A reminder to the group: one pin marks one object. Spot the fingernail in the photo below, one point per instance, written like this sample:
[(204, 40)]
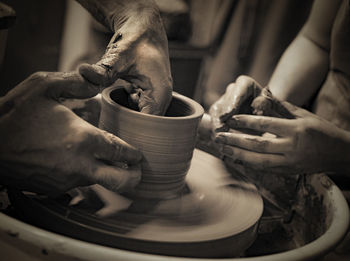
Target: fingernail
[(227, 151), (220, 138)]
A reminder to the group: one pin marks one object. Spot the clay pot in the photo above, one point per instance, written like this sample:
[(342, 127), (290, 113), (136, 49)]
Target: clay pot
[(167, 142)]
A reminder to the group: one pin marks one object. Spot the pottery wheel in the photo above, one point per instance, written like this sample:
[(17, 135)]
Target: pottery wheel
[(216, 216)]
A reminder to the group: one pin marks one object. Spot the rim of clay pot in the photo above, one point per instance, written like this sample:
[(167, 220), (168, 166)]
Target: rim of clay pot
[(197, 109)]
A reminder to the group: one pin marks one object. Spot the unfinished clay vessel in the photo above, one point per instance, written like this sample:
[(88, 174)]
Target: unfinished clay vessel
[(167, 142)]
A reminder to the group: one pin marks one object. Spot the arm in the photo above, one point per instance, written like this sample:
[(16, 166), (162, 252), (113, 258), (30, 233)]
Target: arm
[(304, 65), (305, 144), (299, 73), (137, 52), (114, 13), (46, 148)]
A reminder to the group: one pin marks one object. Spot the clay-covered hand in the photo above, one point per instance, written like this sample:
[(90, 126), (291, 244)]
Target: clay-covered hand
[(237, 99), (88, 109), (305, 144), (46, 148), (137, 52)]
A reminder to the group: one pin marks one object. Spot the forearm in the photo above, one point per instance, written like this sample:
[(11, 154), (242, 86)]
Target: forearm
[(113, 13), (300, 72), (304, 65)]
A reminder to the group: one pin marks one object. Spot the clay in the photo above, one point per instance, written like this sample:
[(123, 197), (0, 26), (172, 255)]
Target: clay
[(267, 105), (216, 216), (167, 142), (170, 212)]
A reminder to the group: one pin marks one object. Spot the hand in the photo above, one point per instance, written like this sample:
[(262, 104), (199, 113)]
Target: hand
[(88, 109), (237, 99), (306, 144), (46, 148), (137, 52)]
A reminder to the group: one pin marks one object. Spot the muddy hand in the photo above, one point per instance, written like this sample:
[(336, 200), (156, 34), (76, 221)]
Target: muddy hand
[(137, 53), (46, 148), (304, 144), (237, 99), (266, 104)]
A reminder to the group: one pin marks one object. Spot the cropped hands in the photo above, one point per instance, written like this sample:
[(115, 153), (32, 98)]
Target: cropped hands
[(46, 148), (257, 130), (137, 52)]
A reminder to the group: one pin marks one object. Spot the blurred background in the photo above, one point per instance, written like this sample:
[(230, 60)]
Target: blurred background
[(211, 42)]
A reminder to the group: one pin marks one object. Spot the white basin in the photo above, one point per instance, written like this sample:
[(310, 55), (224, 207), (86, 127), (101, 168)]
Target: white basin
[(21, 241)]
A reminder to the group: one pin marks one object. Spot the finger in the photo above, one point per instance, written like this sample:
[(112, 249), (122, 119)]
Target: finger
[(215, 113), (149, 104), (113, 149), (143, 97), (52, 185), (96, 74), (117, 179), (87, 109), (113, 202), (69, 85), (111, 66), (151, 79), (225, 107), (153, 94), (238, 94), (253, 142), (252, 158), (295, 110), (228, 104), (280, 127), (157, 103), (266, 104)]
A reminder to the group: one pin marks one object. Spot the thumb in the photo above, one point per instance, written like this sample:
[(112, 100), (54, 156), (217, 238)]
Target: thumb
[(266, 104), (115, 61), (117, 179), (97, 74), (156, 100), (112, 149), (69, 85)]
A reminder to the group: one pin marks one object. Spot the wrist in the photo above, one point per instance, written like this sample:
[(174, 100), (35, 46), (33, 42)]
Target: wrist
[(114, 13), (136, 17)]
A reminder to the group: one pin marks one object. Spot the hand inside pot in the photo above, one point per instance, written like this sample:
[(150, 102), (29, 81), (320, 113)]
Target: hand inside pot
[(46, 148), (137, 52)]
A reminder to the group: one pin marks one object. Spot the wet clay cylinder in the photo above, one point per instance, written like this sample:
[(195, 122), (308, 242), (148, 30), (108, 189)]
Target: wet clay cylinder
[(167, 142)]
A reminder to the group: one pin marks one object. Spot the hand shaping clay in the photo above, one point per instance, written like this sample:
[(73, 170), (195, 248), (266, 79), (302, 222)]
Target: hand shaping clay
[(167, 142)]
